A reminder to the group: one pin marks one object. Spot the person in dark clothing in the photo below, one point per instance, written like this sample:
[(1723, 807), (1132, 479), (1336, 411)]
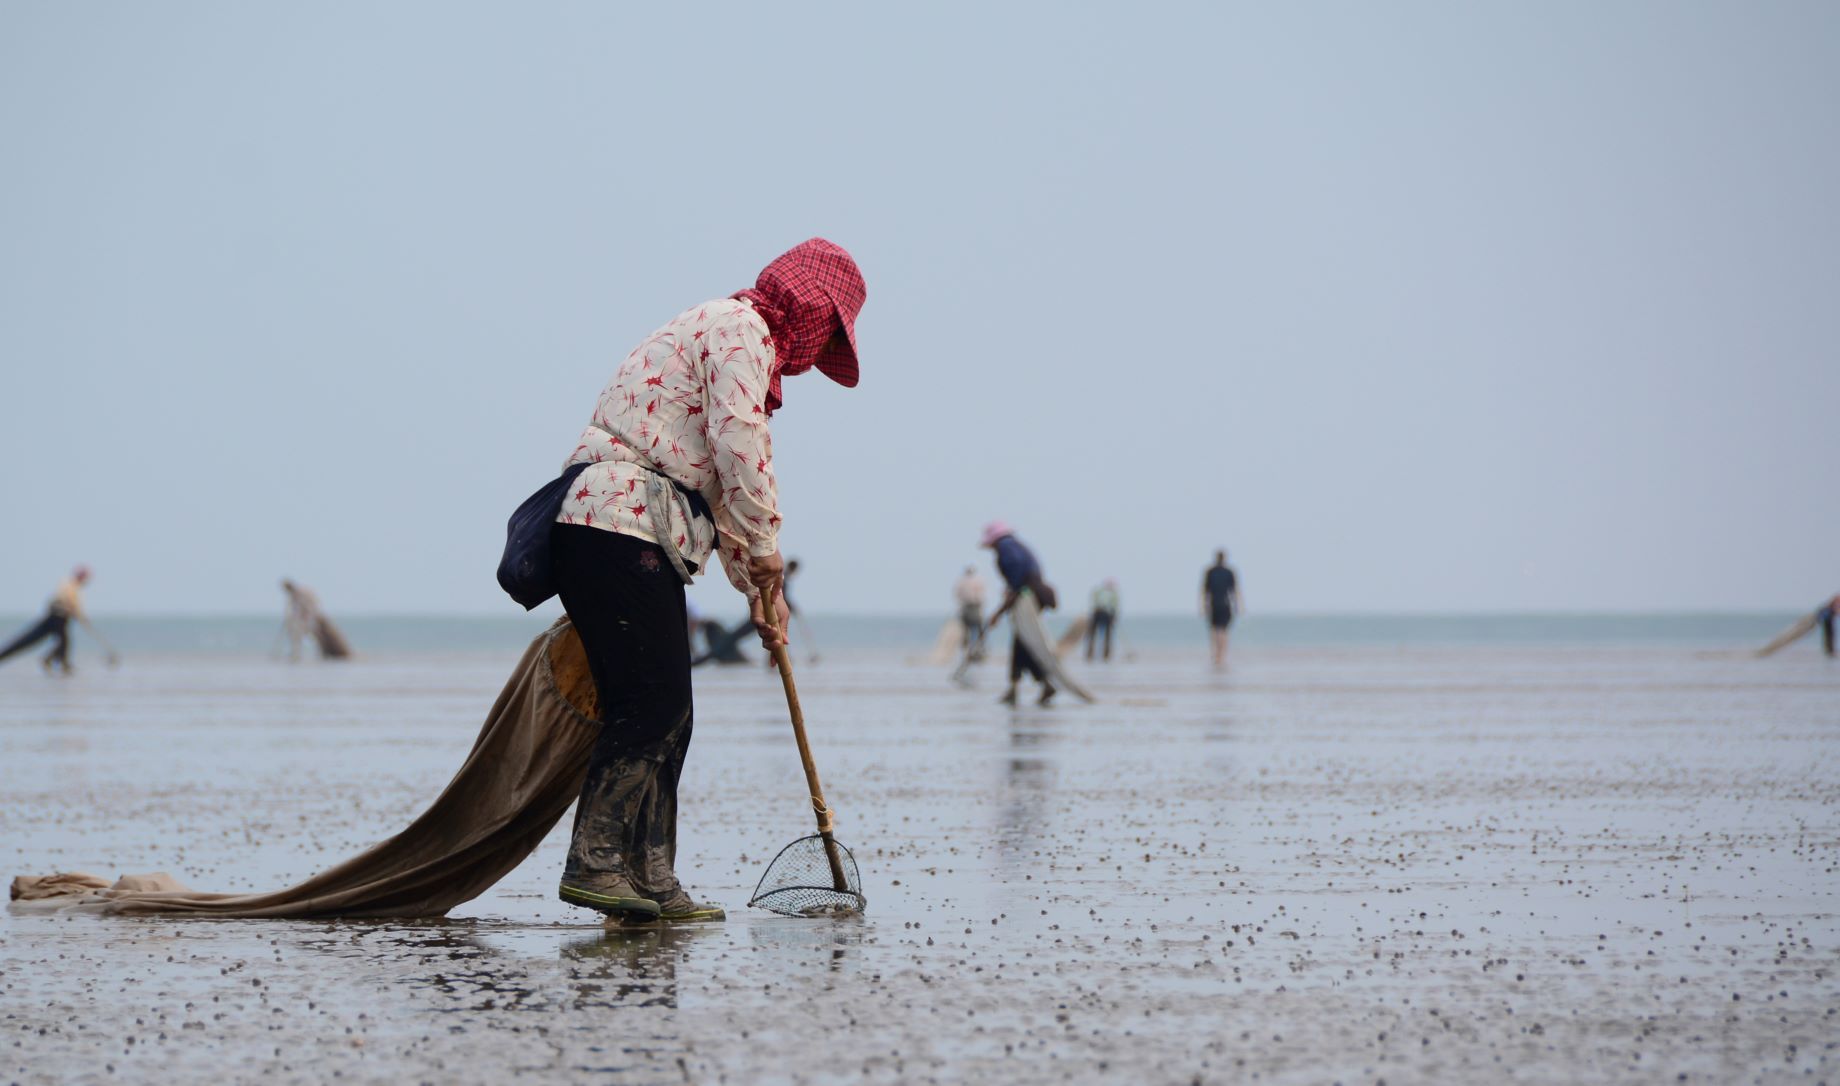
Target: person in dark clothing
[(66, 605), (722, 646), (1825, 616), (53, 624), (1104, 617), (1219, 602), (1021, 573)]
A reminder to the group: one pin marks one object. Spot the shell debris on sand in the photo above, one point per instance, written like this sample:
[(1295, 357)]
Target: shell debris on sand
[(1469, 865), (830, 912)]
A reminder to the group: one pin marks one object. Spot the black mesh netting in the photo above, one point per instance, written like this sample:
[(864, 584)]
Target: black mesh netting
[(801, 882)]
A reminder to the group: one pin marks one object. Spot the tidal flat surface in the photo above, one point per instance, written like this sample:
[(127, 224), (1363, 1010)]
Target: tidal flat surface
[(1418, 864)]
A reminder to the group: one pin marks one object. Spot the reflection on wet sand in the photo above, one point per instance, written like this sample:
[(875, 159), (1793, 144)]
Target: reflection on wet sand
[(1411, 866), (629, 966), (1028, 786)]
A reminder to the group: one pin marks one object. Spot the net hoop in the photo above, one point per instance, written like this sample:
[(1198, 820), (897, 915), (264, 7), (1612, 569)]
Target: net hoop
[(796, 895)]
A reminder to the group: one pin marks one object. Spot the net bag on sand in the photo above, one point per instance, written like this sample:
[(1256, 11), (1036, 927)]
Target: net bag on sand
[(813, 876)]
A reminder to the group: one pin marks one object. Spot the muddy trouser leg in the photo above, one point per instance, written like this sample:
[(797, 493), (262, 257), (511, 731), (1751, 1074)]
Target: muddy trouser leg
[(1827, 632), (37, 632), (1110, 620), (628, 606), (654, 861), (604, 819)]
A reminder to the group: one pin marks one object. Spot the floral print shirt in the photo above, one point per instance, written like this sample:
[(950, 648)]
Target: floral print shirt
[(689, 402)]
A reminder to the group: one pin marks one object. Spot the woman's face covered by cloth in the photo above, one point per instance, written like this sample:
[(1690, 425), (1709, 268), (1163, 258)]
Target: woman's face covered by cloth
[(810, 296)]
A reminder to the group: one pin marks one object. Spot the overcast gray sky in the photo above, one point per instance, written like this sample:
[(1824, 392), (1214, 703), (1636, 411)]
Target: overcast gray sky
[(1427, 307)]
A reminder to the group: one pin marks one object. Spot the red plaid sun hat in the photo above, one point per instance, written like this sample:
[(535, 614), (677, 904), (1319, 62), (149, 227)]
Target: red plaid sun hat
[(805, 295)]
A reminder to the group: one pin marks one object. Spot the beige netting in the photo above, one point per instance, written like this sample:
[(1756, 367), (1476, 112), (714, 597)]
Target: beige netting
[(524, 770)]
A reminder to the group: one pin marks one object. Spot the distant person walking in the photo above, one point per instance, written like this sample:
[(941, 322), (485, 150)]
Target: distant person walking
[(1104, 617), (1021, 573), (66, 604), (1219, 602), (1825, 617), (968, 593)]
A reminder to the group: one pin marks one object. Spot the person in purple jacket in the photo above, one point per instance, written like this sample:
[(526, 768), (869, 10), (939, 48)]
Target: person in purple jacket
[(1021, 573)]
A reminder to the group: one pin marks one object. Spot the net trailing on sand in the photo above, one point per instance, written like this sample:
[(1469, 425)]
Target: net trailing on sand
[(800, 881)]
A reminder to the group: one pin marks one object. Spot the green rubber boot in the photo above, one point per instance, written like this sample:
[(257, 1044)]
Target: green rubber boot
[(681, 908), (613, 895)]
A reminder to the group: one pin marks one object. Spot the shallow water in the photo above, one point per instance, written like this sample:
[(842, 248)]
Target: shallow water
[(1432, 863)]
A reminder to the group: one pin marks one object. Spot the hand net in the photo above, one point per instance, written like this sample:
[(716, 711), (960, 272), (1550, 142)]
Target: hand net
[(801, 882)]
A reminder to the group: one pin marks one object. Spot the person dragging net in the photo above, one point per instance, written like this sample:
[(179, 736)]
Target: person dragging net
[(679, 465), (1021, 573), (65, 607)]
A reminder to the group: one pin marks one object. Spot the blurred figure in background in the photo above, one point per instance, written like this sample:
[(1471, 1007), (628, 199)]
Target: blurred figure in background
[(66, 604), (785, 591), (1219, 601), (1822, 617), (785, 586), (305, 620), (968, 593), (1104, 617), (723, 646), (1021, 573), (719, 643)]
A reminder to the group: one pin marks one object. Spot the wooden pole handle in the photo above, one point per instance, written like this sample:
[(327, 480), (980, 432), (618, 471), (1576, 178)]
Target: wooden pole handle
[(825, 822)]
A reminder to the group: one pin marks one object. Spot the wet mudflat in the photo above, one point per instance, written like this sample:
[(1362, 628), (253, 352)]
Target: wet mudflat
[(1410, 865)]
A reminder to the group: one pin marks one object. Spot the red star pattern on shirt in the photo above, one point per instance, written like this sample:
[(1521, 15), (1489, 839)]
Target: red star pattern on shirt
[(696, 415)]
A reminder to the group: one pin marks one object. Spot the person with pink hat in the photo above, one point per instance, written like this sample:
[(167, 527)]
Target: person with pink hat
[(673, 471), (1021, 573)]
